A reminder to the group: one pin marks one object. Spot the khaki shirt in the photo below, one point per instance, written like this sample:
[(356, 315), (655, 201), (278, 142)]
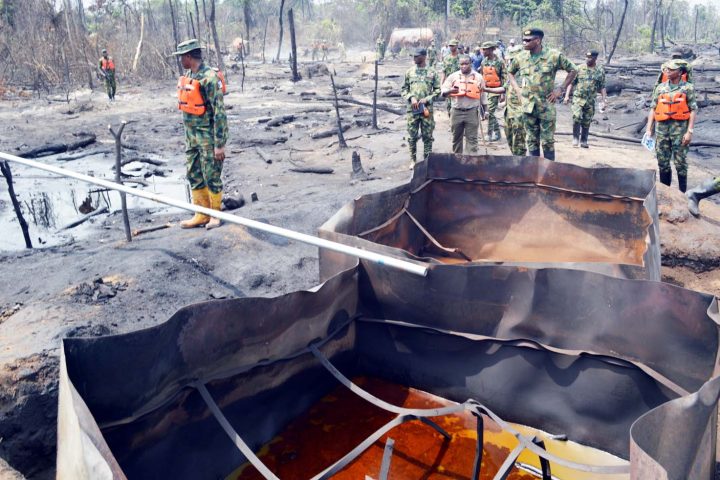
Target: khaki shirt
[(462, 102)]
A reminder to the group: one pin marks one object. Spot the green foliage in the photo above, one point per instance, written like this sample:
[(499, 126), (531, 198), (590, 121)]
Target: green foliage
[(464, 8)]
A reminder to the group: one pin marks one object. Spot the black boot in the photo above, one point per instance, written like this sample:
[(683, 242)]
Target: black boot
[(534, 153), (549, 155), (584, 136), (682, 182), (704, 190), (576, 135), (666, 177)]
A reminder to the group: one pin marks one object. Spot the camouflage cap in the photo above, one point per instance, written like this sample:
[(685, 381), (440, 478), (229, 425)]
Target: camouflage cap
[(673, 65), (420, 52), (488, 45), (187, 46), (453, 42)]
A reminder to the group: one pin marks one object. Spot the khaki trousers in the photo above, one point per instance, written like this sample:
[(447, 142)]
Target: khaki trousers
[(464, 123)]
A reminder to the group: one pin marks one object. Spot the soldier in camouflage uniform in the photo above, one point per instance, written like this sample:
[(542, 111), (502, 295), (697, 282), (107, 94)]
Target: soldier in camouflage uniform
[(420, 88), (380, 47), (674, 108), (206, 132), (537, 67), (451, 64), (590, 80), (493, 71), (107, 69), (705, 190), (685, 68), (432, 54)]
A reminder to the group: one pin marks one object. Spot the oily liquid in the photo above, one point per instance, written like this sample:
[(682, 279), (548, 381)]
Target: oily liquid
[(341, 420)]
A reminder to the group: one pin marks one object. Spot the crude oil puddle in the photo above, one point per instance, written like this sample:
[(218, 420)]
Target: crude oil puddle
[(341, 420), (49, 202)]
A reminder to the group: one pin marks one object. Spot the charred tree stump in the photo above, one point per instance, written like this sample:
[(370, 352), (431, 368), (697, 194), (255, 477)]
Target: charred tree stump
[(5, 169), (374, 115), (118, 177), (341, 138), (293, 46)]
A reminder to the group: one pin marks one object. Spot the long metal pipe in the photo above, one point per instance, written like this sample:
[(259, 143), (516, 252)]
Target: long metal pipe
[(227, 217)]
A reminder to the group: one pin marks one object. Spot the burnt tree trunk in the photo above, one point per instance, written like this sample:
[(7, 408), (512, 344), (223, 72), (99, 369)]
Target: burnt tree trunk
[(293, 46), (118, 177), (282, 7), (5, 169), (341, 138), (374, 115), (267, 20), (619, 31), (247, 18), (197, 19), (175, 34), (216, 40)]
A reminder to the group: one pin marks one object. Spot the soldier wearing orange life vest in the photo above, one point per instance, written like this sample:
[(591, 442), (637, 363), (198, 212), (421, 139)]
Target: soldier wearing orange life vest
[(686, 71), (673, 109), (200, 98), (464, 88), (493, 71), (107, 69)]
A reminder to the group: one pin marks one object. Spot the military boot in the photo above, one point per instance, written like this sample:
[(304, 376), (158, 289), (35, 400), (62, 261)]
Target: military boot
[(549, 155), (201, 198), (576, 135), (584, 137), (704, 190), (215, 204), (666, 177), (682, 182), (534, 153)]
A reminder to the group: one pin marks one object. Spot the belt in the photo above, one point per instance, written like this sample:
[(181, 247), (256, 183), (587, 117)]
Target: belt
[(465, 109)]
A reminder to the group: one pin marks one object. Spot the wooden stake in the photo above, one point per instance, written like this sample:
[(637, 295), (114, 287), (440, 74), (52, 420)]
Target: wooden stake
[(374, 115), (118, 176), (5, 169), (341, 139)]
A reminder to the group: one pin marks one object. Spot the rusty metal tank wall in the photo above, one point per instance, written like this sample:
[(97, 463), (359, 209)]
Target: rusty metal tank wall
[(512, 210), (565, 351)]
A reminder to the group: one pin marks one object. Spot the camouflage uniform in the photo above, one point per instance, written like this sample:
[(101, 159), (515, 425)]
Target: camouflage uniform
[(668, 146), (421, 83), (109, 78), (538, 81), (686, 67), (204, 133), (493, 99), (450, 65), (380, 46), (589, 81), (514, 124), (432, 55)]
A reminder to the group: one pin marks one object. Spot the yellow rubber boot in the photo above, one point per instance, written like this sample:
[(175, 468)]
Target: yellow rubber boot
[(201, 198), (215, 204)]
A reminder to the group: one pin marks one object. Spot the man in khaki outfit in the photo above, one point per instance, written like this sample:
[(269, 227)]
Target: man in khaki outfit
[(464, 88)]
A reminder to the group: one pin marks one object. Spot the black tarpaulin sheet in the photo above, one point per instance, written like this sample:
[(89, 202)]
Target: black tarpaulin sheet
[(511, 210), (565, 351)]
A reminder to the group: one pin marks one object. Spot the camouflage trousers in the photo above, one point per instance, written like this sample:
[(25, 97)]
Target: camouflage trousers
[(539, 129), (515, 134), (717, 183), (464, 123), (202, 168), (426, 126), (669, 148), (492, 106), (110, 85), (583, 111)]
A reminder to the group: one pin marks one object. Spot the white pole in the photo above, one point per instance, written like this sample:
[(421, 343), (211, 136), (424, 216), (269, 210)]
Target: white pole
[(283, 232)]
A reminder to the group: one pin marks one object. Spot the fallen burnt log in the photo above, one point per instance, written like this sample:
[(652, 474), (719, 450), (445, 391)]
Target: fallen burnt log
[(346, 99), (57, 148), (328, 133)]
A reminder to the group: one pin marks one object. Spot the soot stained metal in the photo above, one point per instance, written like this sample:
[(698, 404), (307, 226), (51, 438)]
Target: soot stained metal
[(622, 365)]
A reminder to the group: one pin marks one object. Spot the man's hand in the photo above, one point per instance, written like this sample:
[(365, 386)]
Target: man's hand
[(686, 138), (220, 154), (566, 100), (414, 103), (554, 95)]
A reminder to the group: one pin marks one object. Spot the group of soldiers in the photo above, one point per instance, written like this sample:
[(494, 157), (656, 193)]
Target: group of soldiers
[(526, 82)]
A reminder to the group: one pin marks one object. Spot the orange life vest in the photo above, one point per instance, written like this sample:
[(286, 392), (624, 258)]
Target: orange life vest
[(221, 76), (672, 106), (492, 79), (469, 87), (664, 78), (190, 98), (107, 63)]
